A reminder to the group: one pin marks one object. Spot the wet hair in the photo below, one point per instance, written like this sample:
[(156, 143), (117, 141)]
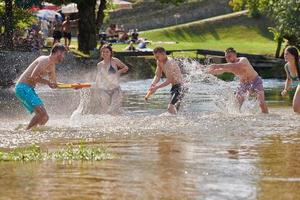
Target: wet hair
[(294, 51), (159, 50), (230, 50), (58, 47), (107, 46)]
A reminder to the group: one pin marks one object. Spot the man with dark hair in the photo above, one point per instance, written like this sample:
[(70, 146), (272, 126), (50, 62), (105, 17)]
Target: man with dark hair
[(66, 29), (250, 81), (174, 77), (34, 74), (159, 50)]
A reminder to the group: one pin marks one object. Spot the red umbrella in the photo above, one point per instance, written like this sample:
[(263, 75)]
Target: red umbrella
[(34, 9), (46, 6), (50, 6)]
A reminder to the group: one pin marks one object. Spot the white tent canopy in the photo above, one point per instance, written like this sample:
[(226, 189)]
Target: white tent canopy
[(122, 4), (70, 8)]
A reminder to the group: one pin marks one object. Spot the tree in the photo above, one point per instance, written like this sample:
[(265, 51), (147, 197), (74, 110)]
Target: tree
[(8, 24), (13, 16), (88, 24), (284, 13)]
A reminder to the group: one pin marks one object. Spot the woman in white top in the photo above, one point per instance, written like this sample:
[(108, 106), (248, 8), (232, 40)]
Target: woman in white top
[(108, 80)]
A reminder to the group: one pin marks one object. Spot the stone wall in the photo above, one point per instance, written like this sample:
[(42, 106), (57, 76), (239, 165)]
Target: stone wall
[(149, 15)]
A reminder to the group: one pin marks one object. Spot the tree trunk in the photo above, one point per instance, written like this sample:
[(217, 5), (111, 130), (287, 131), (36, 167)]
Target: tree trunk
[(8, 23), (100, 15), (279, 43), (87, 26)]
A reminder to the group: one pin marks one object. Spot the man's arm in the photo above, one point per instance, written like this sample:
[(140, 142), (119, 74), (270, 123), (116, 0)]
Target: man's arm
[(227, 67), (164, 84), (158, 73), (52, 77), (35, 76)]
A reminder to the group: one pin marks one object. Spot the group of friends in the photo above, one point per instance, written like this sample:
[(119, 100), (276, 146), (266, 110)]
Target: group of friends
[(110, 68)]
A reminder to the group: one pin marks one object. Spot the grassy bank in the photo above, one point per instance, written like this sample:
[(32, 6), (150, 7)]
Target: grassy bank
[(238, 30), (247, 35)]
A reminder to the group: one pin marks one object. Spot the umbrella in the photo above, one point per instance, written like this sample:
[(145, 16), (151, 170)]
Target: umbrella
[(70, 8), (47, 14), (50, 6), (44, 5)]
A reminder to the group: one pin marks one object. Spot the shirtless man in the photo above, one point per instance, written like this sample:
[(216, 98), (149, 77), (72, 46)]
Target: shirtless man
[(42, 66), (173, 76), (250, 81), (66, 29), (57, 30)]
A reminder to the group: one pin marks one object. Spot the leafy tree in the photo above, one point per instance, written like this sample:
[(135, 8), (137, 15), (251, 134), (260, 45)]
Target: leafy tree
[(284, 13), (12, 16), (89, 21), (27, 3), (8, 24)]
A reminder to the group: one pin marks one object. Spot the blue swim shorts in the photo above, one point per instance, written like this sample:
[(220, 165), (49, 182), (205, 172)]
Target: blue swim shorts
[(26, 94)]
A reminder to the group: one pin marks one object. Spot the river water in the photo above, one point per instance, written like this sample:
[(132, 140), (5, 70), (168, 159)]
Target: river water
[(210, 150)]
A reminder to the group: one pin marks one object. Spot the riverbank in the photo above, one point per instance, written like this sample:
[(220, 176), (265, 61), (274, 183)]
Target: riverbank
[(141, 67)]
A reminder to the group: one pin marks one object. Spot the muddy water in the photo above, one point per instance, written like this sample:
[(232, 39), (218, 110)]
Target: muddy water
[(208, 151)]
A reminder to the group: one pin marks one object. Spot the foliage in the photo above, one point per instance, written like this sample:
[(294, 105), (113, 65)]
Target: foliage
[(71, 152), (285, 14), (21, 17), (27, 3), (31, 153), (81, 152)]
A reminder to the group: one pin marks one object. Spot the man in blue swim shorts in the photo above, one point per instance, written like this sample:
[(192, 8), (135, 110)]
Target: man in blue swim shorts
[(250, 81), (35, 73)]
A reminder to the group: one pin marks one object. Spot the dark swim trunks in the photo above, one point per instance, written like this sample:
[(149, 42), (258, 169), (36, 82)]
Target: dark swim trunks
[(67, 35), (177, 92), (255, 85), (57, 35)]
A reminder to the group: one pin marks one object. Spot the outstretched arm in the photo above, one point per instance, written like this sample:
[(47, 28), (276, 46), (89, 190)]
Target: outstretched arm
[(228, 67), (158, 73), (35, 76)]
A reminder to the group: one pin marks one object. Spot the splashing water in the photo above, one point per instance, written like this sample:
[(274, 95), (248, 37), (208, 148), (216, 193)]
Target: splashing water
[(221, 93), (201, 87), (209, 106)]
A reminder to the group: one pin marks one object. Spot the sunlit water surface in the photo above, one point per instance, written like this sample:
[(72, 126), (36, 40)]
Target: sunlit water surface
[(210, 150)]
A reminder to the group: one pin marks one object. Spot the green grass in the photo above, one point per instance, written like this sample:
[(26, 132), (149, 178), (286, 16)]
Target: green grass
[(247, 35), (70, 152), (237, 30)]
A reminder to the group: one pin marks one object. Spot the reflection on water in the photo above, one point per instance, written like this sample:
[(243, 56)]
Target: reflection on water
[(280, 167), (209, 151)]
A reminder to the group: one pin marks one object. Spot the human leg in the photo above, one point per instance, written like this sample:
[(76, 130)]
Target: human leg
[(40, 118), (262, 103), (296, 100)]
